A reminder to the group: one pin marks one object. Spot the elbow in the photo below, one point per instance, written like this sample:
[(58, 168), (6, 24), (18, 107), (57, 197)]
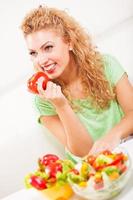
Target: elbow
[(80, 152)]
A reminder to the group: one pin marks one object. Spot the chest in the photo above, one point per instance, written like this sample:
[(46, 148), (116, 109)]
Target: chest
[(76, 90)]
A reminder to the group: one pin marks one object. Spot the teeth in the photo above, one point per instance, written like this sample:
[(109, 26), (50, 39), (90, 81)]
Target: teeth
[(50, 67)]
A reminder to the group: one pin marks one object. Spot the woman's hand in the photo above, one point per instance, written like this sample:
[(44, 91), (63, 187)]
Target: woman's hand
[(108, 142), (52, 93)]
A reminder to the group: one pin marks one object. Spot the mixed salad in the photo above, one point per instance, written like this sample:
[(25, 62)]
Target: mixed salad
[(93, 174), (102, 176), (99, 171), (51, 170)]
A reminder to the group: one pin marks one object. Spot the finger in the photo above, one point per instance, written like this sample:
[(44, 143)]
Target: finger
[(40, 91), (59, 89), (49, 85), (39, 85), (95, 150), (51, 89)]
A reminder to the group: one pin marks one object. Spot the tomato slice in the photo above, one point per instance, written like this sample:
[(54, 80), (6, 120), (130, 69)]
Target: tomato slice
[(75, 171), (38, 182), (90, 159), (106, 152), (122, 167), (98, 184), (48, 159), (33, 82), (53, 168), (119, 158)]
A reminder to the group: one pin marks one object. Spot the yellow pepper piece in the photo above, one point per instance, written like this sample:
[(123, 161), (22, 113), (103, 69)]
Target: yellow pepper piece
[(83, 184), (98, 175)]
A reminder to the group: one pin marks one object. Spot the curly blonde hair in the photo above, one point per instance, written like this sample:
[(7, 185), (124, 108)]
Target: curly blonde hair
[(91, 66)]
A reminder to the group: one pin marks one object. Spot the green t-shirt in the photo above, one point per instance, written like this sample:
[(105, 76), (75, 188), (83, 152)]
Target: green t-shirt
[(97, 123)]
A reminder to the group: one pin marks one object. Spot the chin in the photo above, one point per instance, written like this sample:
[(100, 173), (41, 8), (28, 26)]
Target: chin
[(54, 76)]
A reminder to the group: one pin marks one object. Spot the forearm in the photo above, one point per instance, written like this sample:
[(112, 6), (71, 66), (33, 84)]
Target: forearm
[(125, 127), (77, 135)]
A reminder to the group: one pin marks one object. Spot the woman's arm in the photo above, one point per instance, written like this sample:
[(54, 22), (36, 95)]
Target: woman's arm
[(124, 91), (69, 130), (66, 126), (124, 128)]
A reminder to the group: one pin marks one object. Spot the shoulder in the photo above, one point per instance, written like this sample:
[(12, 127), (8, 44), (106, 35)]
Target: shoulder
[(109, 59), (113, 68)]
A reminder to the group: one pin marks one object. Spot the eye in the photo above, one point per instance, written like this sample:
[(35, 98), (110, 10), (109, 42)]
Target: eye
[(48, 48), (33, 53)]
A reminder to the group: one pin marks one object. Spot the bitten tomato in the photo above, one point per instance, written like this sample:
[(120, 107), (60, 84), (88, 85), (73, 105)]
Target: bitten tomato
[(33, 82), (48, 159), (38, 182)]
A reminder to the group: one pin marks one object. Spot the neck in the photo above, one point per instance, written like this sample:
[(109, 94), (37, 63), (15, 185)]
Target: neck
[(70, 74)]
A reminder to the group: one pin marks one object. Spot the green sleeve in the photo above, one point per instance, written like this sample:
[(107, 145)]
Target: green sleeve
[(113, 69), (44, 107)]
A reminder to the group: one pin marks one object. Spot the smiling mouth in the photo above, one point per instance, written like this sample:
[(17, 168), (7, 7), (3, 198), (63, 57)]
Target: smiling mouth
[(49, 67)]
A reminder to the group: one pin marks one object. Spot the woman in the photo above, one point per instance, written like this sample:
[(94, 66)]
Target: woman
[(84, 104)]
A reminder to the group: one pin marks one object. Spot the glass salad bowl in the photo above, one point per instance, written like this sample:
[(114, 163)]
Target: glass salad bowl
[(102, 176)]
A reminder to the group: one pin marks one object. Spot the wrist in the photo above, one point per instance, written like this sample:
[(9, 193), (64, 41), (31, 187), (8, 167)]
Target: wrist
[(62, 106), (59, 103), (114, 136)]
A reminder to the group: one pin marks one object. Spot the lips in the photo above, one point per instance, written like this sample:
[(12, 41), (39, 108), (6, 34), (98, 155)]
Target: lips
[(49, 68)]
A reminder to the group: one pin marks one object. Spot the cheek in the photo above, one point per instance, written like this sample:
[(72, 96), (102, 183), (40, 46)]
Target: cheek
[(64, 56), (34, 61), (35, 64), (61, 56)]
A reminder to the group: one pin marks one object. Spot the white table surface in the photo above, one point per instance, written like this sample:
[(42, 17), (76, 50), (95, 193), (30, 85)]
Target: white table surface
[(32, 194)]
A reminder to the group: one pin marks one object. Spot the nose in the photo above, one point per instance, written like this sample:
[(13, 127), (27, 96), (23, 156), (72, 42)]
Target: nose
[(42, 59)]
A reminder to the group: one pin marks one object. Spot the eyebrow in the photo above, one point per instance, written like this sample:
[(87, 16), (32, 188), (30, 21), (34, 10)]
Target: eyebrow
[(41, 46)]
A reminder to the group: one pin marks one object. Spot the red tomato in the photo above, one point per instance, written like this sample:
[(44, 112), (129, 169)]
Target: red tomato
[(38, 182), (48, 159), (53, 168), (91, 174), (32, 82), (52, 180), (106, 152), (98, 185), (98, 181), (91, 159), (119, 158), (75, 171), (122, 167), (98, 167)]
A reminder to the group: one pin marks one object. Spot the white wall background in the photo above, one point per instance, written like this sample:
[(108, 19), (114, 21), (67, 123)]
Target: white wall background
[(22, 139)]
